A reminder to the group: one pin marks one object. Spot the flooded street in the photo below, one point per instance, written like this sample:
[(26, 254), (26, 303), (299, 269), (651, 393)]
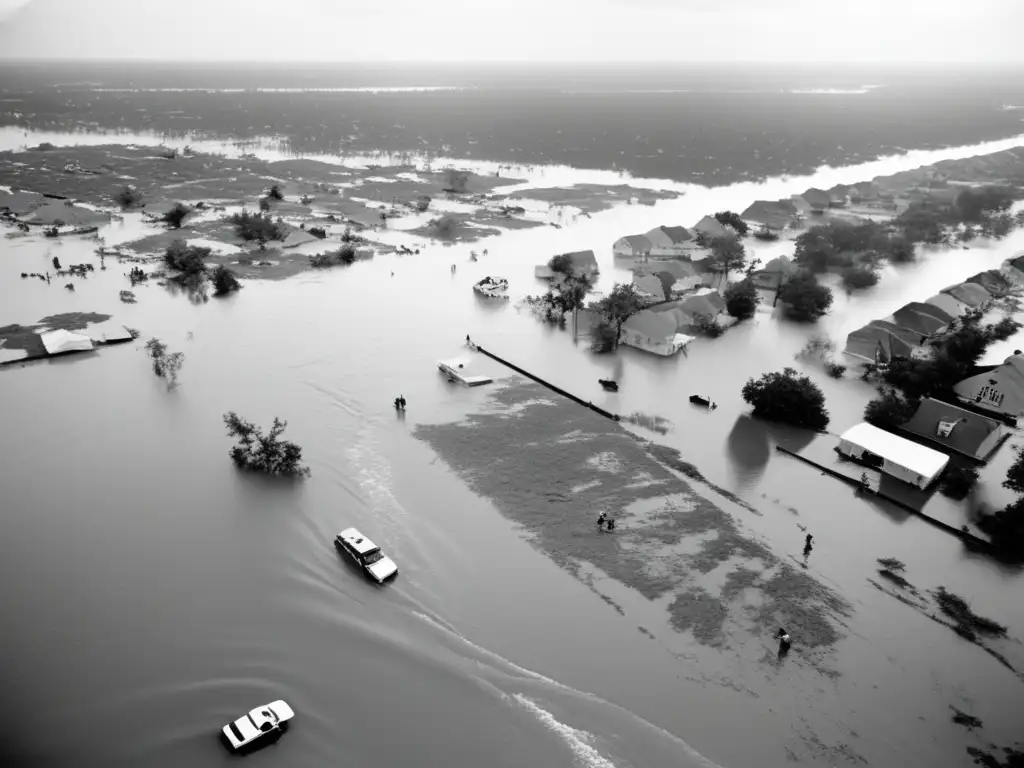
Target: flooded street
[(168, 593)]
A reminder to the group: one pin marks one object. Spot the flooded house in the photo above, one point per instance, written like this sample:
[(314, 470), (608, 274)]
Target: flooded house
[(632, 245), (710, 228), (880, 345), (817, 199), (774, 215), (1013, 269), (689, 275), (949, 304), (992, 280), (892, 455), (656, 286), (775, 273), (999, 388), (584, 263), (670, 241), (924, 318), (955, 429), (972, 295), (654, 332)]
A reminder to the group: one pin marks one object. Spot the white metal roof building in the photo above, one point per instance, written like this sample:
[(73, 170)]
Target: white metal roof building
[(903, 459)]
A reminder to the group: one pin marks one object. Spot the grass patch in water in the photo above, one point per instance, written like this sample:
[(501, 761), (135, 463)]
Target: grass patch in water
[(967, 620), (552, 466)]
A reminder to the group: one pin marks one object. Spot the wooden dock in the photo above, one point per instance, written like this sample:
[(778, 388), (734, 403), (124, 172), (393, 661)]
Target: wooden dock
[(549, 385)]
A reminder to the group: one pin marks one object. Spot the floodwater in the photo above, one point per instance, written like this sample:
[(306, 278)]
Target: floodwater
[(153, 593)]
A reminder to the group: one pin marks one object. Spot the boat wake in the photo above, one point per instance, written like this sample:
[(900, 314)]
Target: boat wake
[(581, 715)]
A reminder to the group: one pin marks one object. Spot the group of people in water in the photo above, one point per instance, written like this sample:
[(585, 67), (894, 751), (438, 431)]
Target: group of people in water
[(400, 403), (605, 523)]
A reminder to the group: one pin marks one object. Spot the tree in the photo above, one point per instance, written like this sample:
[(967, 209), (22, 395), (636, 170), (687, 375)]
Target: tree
[(731, 219), (727, 254), (318, 232), (275, 192), (741, 299), (787, 397), (165, 365), (617, 306), (561, 264), (128, 197), (1015, 474), (224, 281), (855, 278), (603, 337), (900, 250), (187, 259), (1006, 528), (572, 293), (890, 409), (175, 217), (347, 254), (264, 205), (806, 301), (261, 228), (444, 227), (268, 453)]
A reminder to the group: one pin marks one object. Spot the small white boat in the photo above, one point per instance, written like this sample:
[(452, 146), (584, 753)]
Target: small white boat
[(492, 287), (455, 370), (260, 725)]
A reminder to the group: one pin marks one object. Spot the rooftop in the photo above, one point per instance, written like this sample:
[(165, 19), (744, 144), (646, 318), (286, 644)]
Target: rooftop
[(897, 449)]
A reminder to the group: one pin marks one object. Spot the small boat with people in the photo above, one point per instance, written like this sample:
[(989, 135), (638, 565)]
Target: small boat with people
[(492, 287), (707, 402), (609, 385)]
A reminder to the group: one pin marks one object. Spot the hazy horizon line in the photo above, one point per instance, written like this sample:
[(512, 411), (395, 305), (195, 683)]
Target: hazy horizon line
[(945, 64)]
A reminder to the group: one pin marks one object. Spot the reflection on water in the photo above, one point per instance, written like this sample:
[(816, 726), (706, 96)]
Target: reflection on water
[(749, 450)]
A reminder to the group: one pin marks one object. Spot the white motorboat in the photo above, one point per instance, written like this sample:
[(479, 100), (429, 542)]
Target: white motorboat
[(260, 725), (492, 287), (455, 370)]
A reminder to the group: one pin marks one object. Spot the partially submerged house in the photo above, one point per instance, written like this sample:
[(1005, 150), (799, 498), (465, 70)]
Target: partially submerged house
[(632, 245), (584, 263), (992, 280), (655, 332), (896, 456), (817, 199), (710, 228), (688, 275), (970, 294), (876, 345), (1013, 269), (924, 318), (954, 429), (670, 241), (657, 285), (298, 237), (775, 273), (772, 214), (999, 389), (948, 304)]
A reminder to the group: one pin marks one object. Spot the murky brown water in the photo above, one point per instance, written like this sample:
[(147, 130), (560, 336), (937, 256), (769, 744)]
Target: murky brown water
[(153, 593)]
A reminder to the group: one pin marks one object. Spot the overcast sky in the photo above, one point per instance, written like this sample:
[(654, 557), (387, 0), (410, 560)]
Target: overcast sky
[(516, 30)]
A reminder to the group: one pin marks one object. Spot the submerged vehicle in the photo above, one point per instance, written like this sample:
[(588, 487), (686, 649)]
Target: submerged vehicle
[(702, 400), (609, 385), (492, 287), (366, 554), (261, 725)]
